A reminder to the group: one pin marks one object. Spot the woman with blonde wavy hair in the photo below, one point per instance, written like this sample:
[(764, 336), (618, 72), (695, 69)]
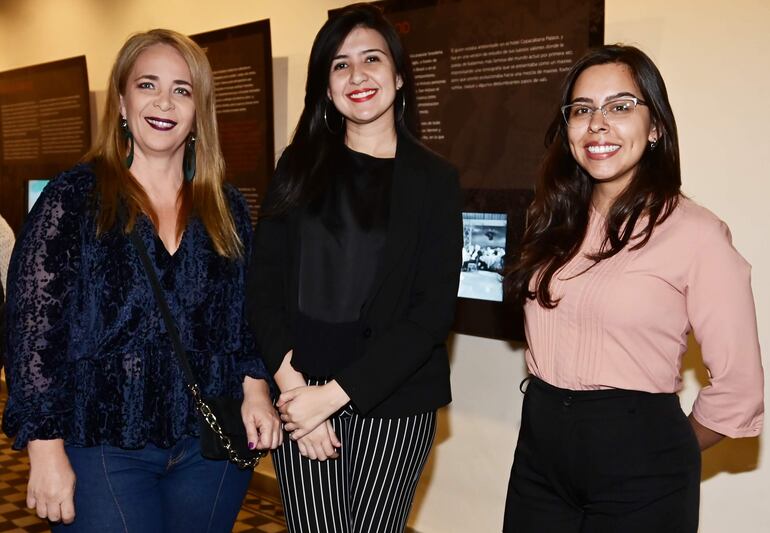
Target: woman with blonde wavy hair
[(95, 390)]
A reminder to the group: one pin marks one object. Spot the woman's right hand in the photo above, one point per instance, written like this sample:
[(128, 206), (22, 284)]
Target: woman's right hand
[(320, 444), (51, 487)]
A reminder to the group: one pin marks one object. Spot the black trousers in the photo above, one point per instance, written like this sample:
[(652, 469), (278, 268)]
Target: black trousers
[(606, 461), (369, 488)]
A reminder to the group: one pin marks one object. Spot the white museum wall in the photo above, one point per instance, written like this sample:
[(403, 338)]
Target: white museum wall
[(715, 57)]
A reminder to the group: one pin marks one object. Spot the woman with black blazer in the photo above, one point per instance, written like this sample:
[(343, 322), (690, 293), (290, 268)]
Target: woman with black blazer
[(355, 270)]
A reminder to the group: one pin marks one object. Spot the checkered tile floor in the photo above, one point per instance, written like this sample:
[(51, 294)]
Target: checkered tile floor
[(260, 513)]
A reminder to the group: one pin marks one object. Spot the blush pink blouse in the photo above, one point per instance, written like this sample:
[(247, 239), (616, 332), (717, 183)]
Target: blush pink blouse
[(624, 323)]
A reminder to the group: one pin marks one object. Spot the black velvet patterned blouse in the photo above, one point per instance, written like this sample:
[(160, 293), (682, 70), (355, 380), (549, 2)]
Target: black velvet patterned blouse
[(88, 357)]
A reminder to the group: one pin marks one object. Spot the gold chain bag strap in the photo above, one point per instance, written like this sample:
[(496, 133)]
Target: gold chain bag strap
[(223, 435)]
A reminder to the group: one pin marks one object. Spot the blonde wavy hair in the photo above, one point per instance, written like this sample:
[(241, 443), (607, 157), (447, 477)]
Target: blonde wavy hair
[(204, 196)]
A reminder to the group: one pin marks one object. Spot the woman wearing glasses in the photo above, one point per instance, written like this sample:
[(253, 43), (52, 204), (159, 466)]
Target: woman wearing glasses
[(615, 269)]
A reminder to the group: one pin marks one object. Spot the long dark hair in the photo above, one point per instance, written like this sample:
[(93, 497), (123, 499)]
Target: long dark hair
[(303, 170), (558, 216)]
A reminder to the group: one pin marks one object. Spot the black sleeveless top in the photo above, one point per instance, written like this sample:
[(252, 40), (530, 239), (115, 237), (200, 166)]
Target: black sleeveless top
[(342, 237)]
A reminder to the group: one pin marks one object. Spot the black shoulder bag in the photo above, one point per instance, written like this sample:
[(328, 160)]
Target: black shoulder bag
[(223, 435)]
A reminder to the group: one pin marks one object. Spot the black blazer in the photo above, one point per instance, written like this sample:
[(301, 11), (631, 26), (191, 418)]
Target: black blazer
[(403, 366)]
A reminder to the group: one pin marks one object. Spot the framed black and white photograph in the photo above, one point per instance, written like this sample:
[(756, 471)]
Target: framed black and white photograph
[(481, 273)]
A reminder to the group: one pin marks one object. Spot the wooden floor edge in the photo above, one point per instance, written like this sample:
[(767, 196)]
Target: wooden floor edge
[(266, 485)]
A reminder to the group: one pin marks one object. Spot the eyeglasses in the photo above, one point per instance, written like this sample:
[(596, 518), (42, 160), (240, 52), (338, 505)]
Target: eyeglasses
[(614, 111)]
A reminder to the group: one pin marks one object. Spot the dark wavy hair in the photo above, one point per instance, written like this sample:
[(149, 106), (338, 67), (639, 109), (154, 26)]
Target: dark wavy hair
[(558, 216), (303, 171)]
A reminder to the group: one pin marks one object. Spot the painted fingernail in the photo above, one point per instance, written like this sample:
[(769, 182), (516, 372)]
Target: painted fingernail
[(251, 445)]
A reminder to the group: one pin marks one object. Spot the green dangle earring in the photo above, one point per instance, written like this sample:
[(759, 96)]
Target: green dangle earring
[(129, 139), (188, 162)]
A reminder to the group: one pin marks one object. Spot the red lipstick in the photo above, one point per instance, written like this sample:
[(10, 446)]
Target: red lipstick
[(362, 95)]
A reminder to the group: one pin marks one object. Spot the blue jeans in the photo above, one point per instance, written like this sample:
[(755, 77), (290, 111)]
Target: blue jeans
[(154, 490)]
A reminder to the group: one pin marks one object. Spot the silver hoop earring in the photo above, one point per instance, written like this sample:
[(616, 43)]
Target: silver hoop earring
[(403, 106), (326, 121), (653, 144)]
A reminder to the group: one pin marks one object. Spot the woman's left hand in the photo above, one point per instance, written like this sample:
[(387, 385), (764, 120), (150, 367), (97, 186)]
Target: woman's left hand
[(706, 437), (263, 427), (303, 409)]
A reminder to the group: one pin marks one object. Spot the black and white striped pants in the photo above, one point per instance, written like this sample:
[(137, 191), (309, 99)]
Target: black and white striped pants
[(369, 488)]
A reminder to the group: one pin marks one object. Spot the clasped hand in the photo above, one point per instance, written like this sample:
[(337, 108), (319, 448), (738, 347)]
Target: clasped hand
[(305, 413), (304, 408)]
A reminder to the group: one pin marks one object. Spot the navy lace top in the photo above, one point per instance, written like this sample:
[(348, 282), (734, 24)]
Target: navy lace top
[(89, 359)]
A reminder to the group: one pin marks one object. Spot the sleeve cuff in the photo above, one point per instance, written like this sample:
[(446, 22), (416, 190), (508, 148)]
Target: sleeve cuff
[(353, 391), (45, 427), (752, 430), (255, 369), (274, 354)]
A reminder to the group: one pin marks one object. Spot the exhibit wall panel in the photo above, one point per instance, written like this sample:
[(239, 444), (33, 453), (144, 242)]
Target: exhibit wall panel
[(33, 29), (715, 58)]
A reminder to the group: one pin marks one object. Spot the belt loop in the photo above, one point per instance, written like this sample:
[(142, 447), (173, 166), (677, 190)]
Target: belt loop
[(524, 381)]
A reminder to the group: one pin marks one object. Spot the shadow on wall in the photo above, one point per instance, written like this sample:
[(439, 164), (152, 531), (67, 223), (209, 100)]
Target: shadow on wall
[(280, 104), (97, 102), (731, 455), (443, 432)]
